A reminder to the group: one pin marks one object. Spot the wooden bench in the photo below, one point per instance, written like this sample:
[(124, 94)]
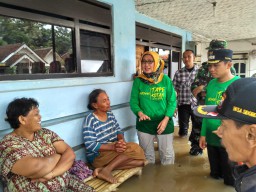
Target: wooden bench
[(122, 175)]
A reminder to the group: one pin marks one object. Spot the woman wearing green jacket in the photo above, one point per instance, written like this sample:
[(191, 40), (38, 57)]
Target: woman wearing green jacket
[(153, 101)]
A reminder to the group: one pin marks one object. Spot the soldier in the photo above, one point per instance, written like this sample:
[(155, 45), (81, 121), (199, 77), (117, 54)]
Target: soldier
[(198, 90), (202, 79)]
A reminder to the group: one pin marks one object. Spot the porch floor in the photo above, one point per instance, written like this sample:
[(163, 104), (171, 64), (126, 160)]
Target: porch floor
[(189, 173)]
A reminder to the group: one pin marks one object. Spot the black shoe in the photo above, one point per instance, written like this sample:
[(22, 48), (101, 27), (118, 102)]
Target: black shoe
[(195, 150), (216, 176), (230, 183), (183, 135)]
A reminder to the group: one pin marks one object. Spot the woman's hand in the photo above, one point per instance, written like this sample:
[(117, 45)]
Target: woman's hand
[(47, 177), (36, 167), (120, 146), (162, 125), (120, 137), (202, 142), (143, 117), (175, 113)]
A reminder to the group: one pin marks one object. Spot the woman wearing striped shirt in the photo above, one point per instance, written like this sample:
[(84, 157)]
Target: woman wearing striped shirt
[(106, 148)]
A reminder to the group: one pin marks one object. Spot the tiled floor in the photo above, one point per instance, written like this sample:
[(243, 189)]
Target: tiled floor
[(188, 174)]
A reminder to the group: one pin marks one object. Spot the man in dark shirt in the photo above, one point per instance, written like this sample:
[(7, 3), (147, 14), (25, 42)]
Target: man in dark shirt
[(237, 112)]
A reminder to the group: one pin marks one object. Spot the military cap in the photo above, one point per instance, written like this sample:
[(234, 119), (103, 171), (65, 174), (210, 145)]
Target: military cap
[(217, 44)]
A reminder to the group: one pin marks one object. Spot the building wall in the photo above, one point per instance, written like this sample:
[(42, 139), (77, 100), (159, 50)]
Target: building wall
[(244, 46), (63, 101)]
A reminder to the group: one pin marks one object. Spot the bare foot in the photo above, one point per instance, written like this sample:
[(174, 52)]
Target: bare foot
[(96, 171), (105, 175)]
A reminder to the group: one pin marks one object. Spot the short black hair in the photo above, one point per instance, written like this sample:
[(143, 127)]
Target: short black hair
[(93, 96), (190, 51), (18, 107)]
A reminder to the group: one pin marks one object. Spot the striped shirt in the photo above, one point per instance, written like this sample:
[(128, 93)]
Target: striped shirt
[(182, 83), (96, 132)]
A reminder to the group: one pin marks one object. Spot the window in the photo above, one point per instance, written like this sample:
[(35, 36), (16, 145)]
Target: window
[(29, 47), (240, 68), (95, 52), (38, 44), (240, 61)]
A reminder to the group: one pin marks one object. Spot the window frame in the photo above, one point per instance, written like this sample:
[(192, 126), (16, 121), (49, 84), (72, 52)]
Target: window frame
[(239, 64), (98, 30), (75, 24)]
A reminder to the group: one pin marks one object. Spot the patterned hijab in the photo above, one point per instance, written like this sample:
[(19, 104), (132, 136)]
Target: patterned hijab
[(157, 75)]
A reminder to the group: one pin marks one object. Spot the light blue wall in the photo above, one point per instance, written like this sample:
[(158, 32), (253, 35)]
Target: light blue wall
[(63, 101), (62, 98)]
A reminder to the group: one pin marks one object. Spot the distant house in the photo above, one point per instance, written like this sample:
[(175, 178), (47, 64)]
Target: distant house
[(20, 59), (65, 56), (47, 55), (69, 64)]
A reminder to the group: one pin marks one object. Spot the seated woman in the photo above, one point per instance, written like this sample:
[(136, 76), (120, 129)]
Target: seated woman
[(106, 148), (34, 158)]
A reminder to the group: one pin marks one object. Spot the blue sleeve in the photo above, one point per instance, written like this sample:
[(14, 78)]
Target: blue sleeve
[(89, 135)]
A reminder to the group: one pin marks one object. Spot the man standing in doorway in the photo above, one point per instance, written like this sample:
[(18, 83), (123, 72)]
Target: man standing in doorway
[(182, 81)]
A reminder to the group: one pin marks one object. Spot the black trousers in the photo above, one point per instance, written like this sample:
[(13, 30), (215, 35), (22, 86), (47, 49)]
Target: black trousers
[(184, 113), (220, 165)]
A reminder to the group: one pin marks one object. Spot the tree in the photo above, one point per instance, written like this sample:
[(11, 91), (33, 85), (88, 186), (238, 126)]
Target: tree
[(63, 39), (34, 34)]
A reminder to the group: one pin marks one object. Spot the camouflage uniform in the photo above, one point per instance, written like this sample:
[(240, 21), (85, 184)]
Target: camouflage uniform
[(202, 78), (217, 44)]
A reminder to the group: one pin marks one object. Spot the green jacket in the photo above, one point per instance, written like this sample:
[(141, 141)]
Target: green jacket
[(156, 101), (214, 92), (203, 77)]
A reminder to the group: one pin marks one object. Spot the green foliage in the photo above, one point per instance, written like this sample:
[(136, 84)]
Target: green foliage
[(63, 39), (11, 70), (34, 34)]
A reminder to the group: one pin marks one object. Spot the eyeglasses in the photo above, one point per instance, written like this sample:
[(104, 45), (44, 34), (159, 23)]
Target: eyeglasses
[(144, 62)]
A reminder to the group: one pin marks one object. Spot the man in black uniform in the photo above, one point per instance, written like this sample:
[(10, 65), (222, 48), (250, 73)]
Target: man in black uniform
[(237, 131)]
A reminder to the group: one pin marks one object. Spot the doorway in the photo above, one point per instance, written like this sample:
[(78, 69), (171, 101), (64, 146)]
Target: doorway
[(172, 59)]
